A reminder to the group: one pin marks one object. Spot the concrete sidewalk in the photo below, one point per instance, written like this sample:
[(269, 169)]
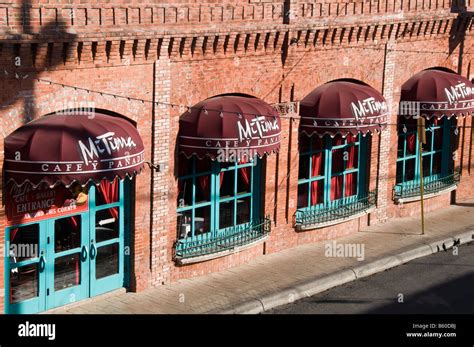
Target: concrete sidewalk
[(278, 279)]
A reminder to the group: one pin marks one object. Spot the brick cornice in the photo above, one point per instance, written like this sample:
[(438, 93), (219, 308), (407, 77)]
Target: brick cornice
[(137, 48)]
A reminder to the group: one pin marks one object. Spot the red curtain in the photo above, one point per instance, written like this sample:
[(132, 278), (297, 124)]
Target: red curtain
[(351, 179), (203, 181), (411, 143), (244, 173), (337, 166), (316, 186), (110, 194)]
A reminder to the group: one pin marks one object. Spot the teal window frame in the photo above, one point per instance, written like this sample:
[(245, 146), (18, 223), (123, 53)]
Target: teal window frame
[(444, 151), (328, 148), (214, 172)]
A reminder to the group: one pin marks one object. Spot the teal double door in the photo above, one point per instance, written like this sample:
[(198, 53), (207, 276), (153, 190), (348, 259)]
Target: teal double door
[(59, 261)]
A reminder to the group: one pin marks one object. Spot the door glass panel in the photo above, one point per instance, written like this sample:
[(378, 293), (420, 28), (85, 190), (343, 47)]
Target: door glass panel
[(107, 192), (24, 283), (67, 233), (226, 214), (67, 271), (107, 224), (24, 243), (107, 261)]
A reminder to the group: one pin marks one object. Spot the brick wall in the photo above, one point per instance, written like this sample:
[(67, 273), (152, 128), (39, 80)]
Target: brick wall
[(184, 52)]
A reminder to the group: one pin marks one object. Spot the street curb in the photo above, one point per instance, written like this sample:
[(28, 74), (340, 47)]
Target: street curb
[(321, 284)]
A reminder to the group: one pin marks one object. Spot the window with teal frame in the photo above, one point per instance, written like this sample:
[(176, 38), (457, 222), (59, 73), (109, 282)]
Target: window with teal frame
[(437, 156), (218, 206), (332, 180)]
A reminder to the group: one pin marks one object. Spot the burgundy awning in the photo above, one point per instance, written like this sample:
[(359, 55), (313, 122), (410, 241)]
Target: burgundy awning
[(225, 127), (68, 148), (435, 93), (343, 107)]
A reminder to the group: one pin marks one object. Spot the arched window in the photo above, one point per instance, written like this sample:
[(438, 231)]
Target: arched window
[(430, 103), (337, 122), (222, 142)]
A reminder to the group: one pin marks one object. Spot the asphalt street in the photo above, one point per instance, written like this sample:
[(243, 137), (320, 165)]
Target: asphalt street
[(440, 283)]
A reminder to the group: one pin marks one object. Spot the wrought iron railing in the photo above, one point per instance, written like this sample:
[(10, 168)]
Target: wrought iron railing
[(431, 185), (338, 210), (227, 239)]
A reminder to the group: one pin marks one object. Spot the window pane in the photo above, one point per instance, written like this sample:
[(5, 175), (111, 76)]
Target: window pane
[(23, 283), (24, 243), (436, 163), (336, 187), (107, 192), (338, 160), (427, 165), (203, 188), (107, 224), (317, 192), (67, 233), (438, 139), (302, 195), (401, 146), (202, 220), (67, 271), (183, 224), (243, 210), (226, 214), (399, 178), (185, 193), (317, 164), (227, 183), (351, 185), (244, 180), (106, 263), (409, 170), (427, 146), (411, 144), (351, 157), (303, 171)]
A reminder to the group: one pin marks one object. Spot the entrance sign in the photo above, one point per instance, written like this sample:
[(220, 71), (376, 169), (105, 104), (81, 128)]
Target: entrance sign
[(25, 204)]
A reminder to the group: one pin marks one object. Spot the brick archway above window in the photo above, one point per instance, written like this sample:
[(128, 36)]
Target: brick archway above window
[(73, 148), (229, 128), (435, 93), (343, 107)]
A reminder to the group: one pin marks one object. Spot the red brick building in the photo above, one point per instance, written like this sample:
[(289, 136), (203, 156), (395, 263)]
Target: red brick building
[(149, 62)]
